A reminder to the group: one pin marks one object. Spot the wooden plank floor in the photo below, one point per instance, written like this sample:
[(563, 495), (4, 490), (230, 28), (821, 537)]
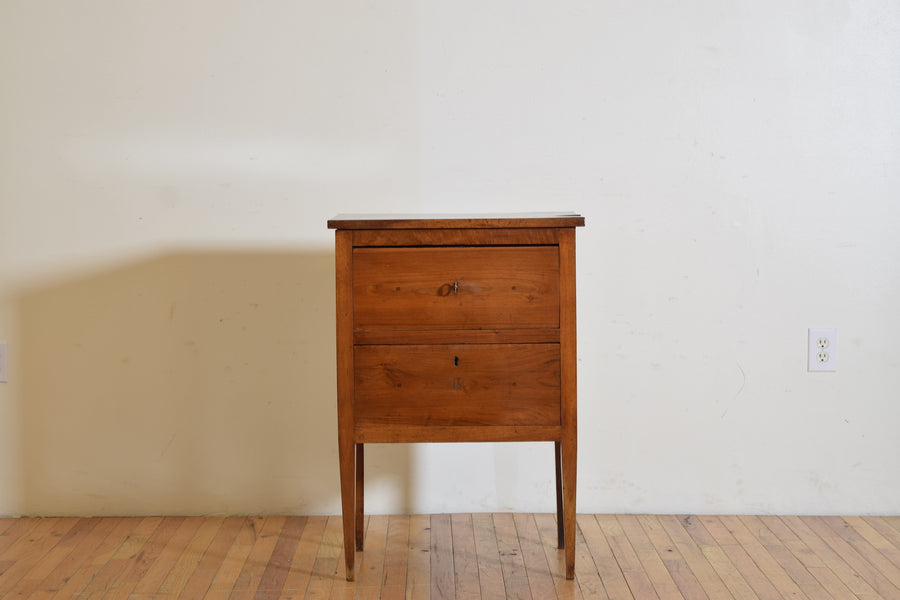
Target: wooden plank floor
[(452, 556)]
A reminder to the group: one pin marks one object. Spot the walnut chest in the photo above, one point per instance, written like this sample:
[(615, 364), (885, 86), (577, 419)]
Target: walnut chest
[(455, 328)]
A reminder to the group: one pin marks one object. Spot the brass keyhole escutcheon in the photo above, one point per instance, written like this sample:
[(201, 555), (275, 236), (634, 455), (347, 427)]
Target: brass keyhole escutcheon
[(455, 361)]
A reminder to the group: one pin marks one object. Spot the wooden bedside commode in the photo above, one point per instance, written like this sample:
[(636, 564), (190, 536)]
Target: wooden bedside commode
[(455, 329)]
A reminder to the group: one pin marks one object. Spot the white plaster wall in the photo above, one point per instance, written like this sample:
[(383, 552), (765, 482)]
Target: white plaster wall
[(166, 285)]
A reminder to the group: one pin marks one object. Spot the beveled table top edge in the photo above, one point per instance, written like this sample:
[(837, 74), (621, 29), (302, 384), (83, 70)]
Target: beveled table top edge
[(456, 221)]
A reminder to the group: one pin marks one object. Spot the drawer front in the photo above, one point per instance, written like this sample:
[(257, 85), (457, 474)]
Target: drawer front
[(453, 385), (456, 288)]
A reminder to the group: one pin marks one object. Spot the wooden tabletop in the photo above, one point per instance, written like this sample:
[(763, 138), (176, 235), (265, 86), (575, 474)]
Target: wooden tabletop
[(457, 221)]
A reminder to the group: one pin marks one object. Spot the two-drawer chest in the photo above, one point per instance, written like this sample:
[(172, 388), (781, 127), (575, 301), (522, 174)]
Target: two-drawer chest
[(455, 329)]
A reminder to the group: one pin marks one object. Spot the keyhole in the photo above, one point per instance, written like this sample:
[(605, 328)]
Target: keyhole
[(455, 361)]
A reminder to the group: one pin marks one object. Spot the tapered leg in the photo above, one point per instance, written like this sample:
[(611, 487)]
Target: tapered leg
[(560, 524), (360, 485), (343, 260), (568, 385), (569, 470), (347, 459)]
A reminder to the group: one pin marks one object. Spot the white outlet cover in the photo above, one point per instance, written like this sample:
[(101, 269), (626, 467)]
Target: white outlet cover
[(822, 350)]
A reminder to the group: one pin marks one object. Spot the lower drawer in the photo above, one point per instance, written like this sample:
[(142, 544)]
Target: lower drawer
[(457, 385)]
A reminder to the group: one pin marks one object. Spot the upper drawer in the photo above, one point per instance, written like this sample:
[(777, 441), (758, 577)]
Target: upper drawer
[(490, 287)]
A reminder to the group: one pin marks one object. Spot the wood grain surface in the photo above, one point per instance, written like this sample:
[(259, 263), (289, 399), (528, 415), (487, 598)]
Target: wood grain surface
[(456, 288), (465, 384), (459, 556)]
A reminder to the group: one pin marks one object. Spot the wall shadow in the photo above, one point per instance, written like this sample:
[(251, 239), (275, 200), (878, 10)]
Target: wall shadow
[(190, 383)]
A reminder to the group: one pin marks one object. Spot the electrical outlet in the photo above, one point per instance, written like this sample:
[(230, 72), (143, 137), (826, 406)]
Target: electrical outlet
[(822, 350), (3, 371)]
